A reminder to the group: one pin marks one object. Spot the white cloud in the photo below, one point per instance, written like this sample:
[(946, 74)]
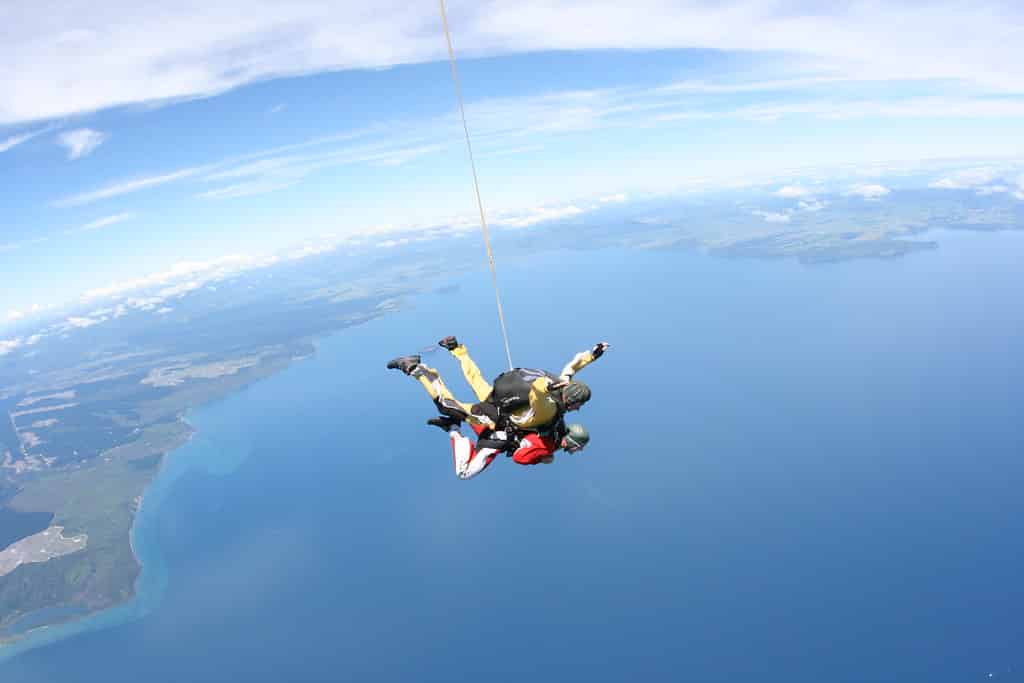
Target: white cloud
[(845, 109), (992, 189), (390, 244), (180, 278), (180, 289), (245, 189), (81, 56), (33, 340), (15, 140), (536, 215), (812, 205), (8, 345), (868, 191), (164, 311), (614, 198), (126, 186), (702, 87), (965, 179), (81, 322), (81, 142), (108, 220), (14, 315), (772, 216), (793, 192)]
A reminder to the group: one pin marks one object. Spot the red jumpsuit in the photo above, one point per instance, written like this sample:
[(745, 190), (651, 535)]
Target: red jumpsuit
[(469, 462)]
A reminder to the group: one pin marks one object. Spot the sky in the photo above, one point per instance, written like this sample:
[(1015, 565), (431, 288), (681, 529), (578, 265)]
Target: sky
[(139, 139)]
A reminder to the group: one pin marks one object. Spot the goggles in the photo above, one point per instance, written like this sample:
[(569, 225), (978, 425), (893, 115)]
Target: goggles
[(571, 445)]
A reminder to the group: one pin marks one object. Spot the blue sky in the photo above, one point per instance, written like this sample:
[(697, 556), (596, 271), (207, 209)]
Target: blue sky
[(138, 141)]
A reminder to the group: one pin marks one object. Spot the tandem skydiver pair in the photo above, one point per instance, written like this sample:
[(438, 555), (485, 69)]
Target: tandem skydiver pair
[(522, 414)]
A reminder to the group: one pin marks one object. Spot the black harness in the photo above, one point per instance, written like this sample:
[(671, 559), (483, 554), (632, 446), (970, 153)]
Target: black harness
[(511, 392)]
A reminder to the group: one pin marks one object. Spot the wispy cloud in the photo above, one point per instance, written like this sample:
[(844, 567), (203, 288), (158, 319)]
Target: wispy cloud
[(8, 345), (503, 125), (838, 109), (108, 220), (82, 322), (773, 216), (181, 277), (14, 315), (793, 192), (868, 191), (15, 140), (81, 142), (812, 205), (245, 189), (965, 179), (540, 214), (126, 187)]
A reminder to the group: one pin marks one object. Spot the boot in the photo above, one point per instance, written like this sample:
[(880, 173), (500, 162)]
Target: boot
[(450, 343), (404, 363)]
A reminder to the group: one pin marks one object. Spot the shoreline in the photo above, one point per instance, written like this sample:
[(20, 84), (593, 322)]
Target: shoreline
[(148, 588)]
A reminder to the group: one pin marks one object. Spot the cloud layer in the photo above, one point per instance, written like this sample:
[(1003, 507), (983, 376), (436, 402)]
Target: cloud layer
[(65, 58)]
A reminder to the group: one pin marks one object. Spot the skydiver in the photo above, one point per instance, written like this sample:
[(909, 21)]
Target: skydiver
[(521, 400), (529, 449)]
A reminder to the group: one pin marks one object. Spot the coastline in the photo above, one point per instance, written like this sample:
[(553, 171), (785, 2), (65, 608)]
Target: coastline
[(147, 590)]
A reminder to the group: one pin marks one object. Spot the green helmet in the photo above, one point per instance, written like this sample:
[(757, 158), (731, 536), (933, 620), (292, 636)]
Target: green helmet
[(575, 393), (576, 437)]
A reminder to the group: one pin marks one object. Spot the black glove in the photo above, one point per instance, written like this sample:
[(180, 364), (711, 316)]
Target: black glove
[(599, 349)]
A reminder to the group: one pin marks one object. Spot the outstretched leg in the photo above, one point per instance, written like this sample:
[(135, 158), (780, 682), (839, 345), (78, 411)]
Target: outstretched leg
[(469, 461), (430, 380), (476, 380)]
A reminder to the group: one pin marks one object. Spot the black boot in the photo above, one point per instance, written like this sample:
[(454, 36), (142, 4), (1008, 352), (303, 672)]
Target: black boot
[(445, 423), (404, 363), (450, 343)]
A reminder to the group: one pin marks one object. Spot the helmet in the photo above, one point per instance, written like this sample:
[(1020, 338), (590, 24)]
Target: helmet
[(576, 437), (575, 393)]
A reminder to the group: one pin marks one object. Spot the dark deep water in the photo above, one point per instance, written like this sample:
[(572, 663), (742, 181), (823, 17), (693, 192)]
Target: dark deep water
[(16, 525), (796, 474)]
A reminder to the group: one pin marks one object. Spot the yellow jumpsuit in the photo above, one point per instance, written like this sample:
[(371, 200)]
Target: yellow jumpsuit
[(542, 409)]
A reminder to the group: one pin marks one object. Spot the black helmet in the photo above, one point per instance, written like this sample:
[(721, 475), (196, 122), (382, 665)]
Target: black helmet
[(575, 393), (576, 437)]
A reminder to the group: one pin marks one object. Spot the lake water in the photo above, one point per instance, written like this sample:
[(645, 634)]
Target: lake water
[(797, 473), (16, 525)]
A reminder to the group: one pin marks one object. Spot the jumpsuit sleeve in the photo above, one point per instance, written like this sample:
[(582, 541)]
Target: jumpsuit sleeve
[(534, 449), (578, 362)]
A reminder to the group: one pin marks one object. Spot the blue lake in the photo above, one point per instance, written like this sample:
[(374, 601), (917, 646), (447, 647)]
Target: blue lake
[(797, 474)]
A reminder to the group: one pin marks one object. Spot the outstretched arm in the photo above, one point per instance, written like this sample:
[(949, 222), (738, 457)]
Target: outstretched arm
[(582, 360)]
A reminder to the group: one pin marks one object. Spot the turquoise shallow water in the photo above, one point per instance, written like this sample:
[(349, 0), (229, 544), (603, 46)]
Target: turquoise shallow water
[(797, 473)]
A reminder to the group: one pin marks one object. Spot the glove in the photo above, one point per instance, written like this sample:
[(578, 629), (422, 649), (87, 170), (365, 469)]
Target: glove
[(599, 349)]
